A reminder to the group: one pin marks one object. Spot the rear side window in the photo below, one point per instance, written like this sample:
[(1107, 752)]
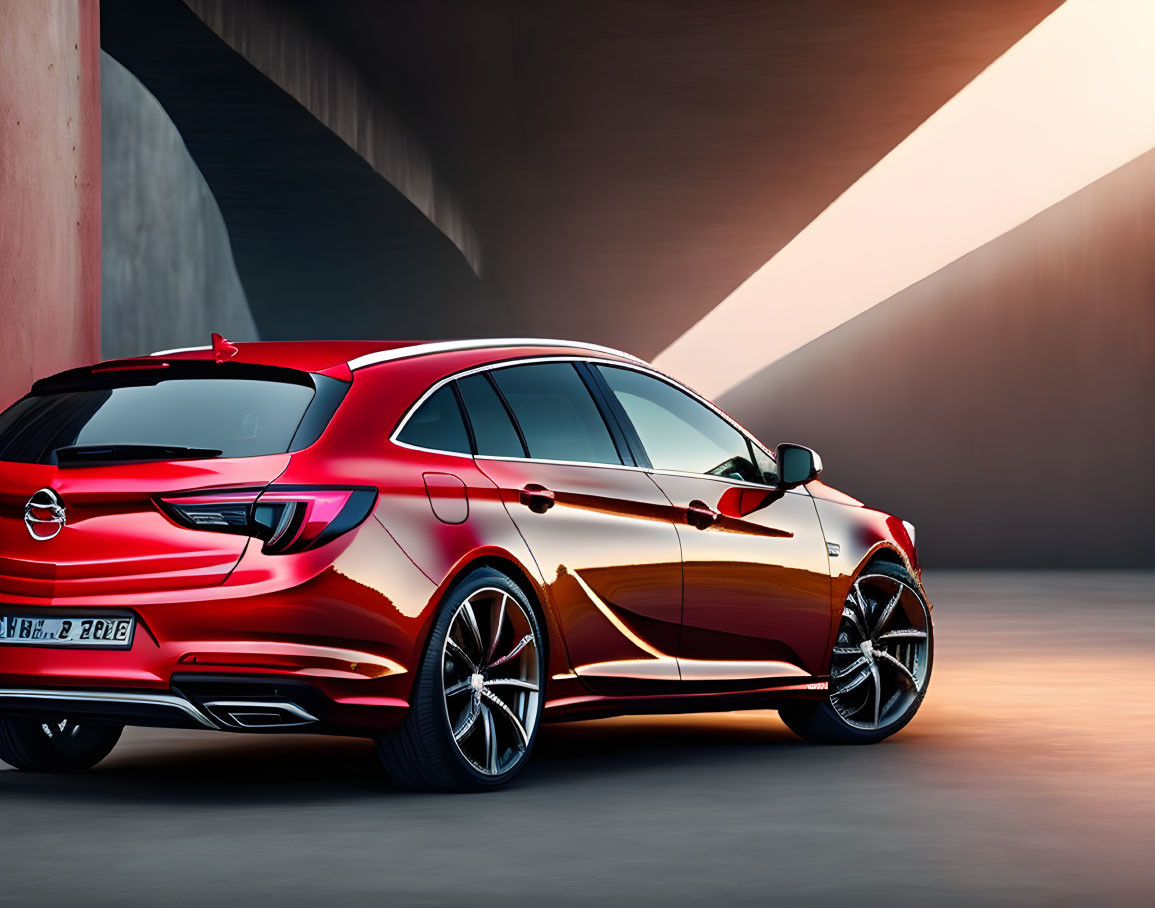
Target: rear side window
[(492, 428), (437, 424), (558, 418), (239, 416)]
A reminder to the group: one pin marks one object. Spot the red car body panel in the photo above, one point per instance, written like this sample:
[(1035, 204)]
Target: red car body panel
[(118, 542), (642, 609)]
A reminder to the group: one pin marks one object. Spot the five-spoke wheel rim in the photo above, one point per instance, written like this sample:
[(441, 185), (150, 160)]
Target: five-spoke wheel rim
[(881, 657), (489, 670)]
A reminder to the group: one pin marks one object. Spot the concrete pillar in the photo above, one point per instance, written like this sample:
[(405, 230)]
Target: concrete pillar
[(49, 189)]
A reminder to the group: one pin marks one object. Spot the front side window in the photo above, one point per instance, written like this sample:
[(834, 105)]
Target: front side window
[(437, 424), (678, 432), (557, 416), (765, 464)]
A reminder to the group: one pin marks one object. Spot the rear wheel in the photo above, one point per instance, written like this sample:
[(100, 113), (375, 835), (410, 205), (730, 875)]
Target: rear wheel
[(476, 702), (880, 667), (55, 745)]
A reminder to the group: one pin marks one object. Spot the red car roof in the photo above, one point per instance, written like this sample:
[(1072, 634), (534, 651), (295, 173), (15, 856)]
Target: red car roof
[(308, 356), (326, 356)]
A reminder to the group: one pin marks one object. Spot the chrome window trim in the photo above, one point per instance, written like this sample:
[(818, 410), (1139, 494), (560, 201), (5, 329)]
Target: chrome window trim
[(405, 444), (801, 490), (560, 463), (636, 367), (384, 356)]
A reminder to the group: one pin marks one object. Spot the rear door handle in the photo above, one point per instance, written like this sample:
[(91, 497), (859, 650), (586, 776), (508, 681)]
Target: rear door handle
[(701, 515), (537, 498)]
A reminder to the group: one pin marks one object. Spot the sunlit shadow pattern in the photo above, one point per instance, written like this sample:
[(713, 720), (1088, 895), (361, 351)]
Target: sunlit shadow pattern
[(1069, 103)]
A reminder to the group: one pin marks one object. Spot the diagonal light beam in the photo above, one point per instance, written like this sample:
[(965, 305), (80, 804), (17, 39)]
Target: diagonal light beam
[(1070, 102)]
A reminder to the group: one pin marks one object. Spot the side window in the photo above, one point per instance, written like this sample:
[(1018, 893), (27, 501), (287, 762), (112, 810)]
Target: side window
[(556, 413), (679, 432), (492, 429), (437, 424), (765, 464)]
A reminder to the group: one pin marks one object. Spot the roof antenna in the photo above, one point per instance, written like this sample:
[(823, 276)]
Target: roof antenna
[(223, 351)]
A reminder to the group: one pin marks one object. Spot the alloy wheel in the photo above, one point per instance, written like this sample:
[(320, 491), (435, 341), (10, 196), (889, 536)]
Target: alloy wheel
[(881, 663), (489, 669)]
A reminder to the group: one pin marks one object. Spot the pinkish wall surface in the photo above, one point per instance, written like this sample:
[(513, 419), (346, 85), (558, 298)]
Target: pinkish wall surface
[(49, 189)]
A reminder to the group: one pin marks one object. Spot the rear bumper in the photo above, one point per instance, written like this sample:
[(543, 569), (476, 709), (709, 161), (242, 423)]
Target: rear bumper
[(345, 647), (217, 702), (172, 679), (343, 635)]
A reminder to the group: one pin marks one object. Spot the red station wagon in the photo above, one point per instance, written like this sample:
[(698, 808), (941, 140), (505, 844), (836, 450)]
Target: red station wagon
[(435, 545)]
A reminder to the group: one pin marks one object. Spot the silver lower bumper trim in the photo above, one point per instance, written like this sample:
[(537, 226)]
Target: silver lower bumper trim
[(170, 701)]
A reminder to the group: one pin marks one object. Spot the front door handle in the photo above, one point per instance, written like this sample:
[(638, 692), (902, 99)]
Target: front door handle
[(701, 515), (537, 498)]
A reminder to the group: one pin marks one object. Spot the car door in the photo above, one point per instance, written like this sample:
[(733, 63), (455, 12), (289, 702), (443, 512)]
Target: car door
[(599, 530), (757, 600)]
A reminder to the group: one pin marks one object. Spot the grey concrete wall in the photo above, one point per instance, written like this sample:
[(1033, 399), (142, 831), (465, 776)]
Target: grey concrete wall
[(169, 279), (1002, 404)]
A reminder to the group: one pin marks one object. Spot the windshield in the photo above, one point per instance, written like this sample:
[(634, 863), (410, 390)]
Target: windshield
[(237, 416)]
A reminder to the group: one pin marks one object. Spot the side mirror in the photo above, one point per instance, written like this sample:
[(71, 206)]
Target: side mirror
[(796, 465)]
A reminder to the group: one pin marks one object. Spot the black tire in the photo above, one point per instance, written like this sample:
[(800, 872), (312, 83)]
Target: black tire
[(421, 753), (55, 745), (822, 723)]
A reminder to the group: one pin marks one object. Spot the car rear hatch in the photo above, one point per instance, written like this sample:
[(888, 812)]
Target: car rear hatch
[(91, 459)]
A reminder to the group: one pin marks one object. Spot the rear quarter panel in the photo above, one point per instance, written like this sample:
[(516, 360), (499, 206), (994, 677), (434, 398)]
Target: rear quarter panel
[(355, 449)]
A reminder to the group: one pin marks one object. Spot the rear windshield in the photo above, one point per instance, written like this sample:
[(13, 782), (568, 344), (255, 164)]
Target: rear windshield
[(242, 412)]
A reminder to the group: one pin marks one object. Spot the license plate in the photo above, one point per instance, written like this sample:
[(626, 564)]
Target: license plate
[(73, 630)]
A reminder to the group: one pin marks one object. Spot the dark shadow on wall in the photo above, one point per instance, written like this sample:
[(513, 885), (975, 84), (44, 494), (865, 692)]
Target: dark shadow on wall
[(324, 246), (1002, 404), (629, 163)]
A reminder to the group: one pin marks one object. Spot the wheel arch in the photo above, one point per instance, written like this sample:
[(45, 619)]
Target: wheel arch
[(509, 566), (884, 554), (883, 551)]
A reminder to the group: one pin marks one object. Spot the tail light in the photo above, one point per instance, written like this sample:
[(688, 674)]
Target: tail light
[(288, 519)]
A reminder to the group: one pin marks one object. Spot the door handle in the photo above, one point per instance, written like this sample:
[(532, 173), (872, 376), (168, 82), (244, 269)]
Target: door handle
[(537, 498), (701, 515)]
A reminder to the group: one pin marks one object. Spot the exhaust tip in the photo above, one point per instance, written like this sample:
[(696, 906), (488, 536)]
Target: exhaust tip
[(259, 714)]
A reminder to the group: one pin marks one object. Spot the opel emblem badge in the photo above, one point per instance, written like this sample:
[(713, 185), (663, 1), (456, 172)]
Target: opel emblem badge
[(44, 515)]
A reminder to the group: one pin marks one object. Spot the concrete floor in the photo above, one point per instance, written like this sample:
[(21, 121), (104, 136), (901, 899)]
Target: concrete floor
[(1028, 778)]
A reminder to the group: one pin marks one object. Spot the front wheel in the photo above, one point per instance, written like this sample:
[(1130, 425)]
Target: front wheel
[(55, 745), (880, 667), (476, 702)]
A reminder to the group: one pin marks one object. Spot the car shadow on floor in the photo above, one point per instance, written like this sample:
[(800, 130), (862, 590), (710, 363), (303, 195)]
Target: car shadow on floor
[(208, 769)]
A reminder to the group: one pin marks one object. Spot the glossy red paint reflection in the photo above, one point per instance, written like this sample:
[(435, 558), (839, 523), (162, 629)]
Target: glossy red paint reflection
[(657, 590)]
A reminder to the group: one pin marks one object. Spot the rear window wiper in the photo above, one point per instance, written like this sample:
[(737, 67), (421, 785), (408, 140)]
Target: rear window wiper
[(77, 454)]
